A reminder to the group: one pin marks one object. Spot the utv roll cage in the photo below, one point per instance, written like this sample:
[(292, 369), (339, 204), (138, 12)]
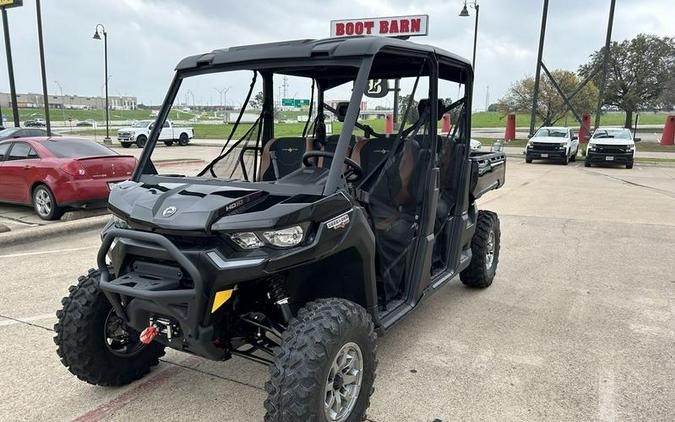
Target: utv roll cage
[(329, 63)]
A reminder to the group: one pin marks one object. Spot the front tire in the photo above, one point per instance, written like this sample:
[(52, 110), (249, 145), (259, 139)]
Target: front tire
[(629, 165), (168, 143), (183, 139), (324, 369), (573, 158), (484, 250), (528, 160), (45, 204), (587, 162), (141, 141), (125, 144), (94, 344)]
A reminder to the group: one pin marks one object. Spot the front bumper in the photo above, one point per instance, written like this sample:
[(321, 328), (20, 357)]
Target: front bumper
[(609, 157), (538, 154), (126, 138)]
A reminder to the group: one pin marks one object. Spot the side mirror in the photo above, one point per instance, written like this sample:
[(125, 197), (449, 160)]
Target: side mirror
[(575, 137), (637, 139)]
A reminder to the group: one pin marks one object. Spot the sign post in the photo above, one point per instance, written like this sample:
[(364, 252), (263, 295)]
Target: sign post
[(397, 27), (6, 4)]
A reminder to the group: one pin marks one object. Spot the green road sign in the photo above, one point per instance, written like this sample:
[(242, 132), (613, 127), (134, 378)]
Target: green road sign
[(294, 102)]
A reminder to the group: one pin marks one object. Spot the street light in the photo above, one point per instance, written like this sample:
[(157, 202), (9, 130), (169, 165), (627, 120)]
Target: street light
[(97, 36), (465, 13)]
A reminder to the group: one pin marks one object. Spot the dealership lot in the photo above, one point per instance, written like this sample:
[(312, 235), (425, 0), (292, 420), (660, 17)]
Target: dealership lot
[(579, 324)]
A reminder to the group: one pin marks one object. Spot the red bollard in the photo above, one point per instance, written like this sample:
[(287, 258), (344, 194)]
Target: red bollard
[(668, 137), (510, 132), (583, 133), (447, 122), (389, 124)]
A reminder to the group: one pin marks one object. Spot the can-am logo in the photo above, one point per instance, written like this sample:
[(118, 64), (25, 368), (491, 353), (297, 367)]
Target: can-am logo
[(169, 211), (338, 222)]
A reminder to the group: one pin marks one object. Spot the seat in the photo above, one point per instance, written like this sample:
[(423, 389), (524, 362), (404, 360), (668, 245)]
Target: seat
[(281, 156), (330, 145)]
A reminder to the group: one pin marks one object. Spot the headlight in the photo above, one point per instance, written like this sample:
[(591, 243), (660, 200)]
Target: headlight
[(285, 238), (591, 147), (630, 148), (119, 223), (246, 240), (563, 146)]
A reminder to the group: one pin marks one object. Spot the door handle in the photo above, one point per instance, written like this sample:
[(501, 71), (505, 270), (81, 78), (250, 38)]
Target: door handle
[(27, 167)]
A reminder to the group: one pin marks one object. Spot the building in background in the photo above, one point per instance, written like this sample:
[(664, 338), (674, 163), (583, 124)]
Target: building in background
[(69, 102)]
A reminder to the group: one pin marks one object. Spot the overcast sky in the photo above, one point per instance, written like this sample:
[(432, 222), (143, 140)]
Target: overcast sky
[(148, 37)]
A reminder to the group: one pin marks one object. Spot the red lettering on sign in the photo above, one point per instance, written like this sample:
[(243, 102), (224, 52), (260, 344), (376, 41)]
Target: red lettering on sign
[(393, 27), (405, 25), (369, 26), (349, 28), (415, 25), (339, 29), (358, 28), (384, 27)]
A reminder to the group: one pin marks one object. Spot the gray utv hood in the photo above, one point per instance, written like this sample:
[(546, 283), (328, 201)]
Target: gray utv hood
[(178, 206)]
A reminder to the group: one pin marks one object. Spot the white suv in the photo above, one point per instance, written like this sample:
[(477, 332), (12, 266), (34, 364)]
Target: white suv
[(611, 145), (552, 143)]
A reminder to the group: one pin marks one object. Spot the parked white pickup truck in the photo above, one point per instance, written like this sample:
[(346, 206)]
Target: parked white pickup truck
[(139, 132), (552, 143), (611, 145)]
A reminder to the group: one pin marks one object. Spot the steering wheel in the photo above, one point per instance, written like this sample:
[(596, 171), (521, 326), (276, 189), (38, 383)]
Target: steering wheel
[(354, 174)]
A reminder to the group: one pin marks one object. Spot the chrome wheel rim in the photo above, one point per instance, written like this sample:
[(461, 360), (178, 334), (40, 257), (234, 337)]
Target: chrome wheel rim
[(343, 383), (43, 203), (490, 254)]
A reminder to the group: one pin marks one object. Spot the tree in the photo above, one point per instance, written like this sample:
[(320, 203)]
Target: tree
[(638, 72), (550, 105), (257, 101), (492, 107), (413, 114)]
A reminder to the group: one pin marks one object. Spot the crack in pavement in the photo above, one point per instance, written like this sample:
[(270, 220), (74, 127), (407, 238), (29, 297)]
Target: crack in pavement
[(200, 371), (628, 182), (26, 323)]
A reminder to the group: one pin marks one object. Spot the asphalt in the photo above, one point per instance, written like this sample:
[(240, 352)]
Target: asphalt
[(578, 325)]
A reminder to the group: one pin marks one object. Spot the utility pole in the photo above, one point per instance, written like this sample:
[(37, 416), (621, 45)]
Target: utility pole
[(10, 68), (537, 74), (605, 63), (45, 94)]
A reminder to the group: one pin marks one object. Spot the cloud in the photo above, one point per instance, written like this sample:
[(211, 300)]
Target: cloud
[(148, 37)]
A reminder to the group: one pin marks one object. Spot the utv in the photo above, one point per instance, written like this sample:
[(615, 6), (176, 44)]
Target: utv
[(294, 252)]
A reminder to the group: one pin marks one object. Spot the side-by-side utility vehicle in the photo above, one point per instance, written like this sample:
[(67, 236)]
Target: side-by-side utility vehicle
[(294, 252)]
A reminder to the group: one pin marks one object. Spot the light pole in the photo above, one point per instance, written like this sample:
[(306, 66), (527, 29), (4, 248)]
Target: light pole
[(97, 36), (63, 111), (465, 13)]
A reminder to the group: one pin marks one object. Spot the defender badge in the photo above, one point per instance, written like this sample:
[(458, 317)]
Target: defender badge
[(338, 222), (169, 211)]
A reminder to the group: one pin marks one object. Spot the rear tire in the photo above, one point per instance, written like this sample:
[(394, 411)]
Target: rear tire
[(45, 204), (318, 361), (485, 251), (141, 141), (183, 139), (125, 144), (83, 343), (168, 143)]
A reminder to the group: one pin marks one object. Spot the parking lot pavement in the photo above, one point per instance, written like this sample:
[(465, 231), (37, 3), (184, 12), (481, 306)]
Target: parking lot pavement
[(578, 325)]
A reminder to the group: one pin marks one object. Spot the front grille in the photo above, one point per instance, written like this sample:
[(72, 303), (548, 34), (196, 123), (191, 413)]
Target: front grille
[(611, 149), (545, 147)]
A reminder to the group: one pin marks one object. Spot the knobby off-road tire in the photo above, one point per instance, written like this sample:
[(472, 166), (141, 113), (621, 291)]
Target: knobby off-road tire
[(485, 251), (81, 342), (309, 355)]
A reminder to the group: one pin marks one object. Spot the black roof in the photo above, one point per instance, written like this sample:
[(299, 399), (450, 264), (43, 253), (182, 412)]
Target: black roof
[(304, 49)]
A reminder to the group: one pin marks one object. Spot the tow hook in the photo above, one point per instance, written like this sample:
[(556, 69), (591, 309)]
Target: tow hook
[(148, 334)]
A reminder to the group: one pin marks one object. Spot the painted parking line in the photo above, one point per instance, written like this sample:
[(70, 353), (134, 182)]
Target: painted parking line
[(13, 321), (106, 409), (18, 255)]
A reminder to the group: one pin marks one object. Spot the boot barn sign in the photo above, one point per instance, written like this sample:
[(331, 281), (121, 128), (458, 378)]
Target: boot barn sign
[(397, 26)]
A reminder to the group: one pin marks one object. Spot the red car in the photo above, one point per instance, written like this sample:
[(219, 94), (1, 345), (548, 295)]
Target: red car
[(54, 174)]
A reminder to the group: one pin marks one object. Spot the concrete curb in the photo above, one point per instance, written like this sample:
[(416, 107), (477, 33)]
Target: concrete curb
[(17, 237)]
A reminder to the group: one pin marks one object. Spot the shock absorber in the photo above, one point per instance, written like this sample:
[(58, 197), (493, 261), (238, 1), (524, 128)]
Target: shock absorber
[(278, 294)]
